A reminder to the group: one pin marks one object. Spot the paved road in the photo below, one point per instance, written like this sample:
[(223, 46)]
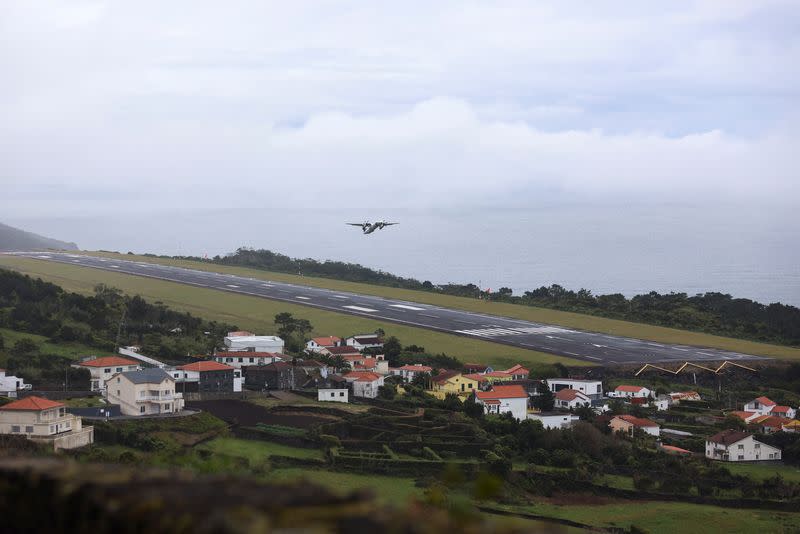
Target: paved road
[(589, 346)]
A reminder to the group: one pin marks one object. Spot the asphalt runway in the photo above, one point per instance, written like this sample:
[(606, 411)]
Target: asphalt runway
[(581, 345)]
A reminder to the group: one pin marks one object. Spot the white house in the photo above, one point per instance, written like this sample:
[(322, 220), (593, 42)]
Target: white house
[(364, 383), (570, 399), (316, 344), (761, 406), (628, 423), (409, 372), (239, 359), (101, 369), (254, 343), (737, 446), (630, 392), (592, 388), (10, 385), (333, 395), (146, 392), (552, 420), (364, 341), (504, 399), (45, 421)]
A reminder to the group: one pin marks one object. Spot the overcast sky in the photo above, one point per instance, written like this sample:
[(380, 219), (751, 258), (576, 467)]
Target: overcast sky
[(106, 105)]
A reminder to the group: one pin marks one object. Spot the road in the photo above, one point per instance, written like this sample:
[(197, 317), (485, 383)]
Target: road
[(589, 346)]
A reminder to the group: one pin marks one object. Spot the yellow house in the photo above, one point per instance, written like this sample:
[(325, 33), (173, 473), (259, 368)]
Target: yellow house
[(452, 382)]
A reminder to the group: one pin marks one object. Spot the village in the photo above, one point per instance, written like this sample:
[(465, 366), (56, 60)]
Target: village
[(353, 369)]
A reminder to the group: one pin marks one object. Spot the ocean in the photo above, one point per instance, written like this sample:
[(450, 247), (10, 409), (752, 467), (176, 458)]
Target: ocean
[(626, 249)]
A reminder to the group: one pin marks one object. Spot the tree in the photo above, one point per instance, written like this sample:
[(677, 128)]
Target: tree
[(472, 408), (392, 349), (25, 346), (386, 392), (545, 400), (339, 363)]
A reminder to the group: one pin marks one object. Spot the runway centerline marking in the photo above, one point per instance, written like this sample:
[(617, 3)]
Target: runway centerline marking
[(302, 298), (406, 307), (231, 285), (359, 308)]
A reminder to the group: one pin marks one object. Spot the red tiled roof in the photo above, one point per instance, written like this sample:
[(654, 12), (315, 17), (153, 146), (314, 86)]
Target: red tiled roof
[(637, 421), (503, 392), (205, 365), (770, 421), (517, 370), (107, 361), (32, 403), (744, 416), (568, 394), (476, 377), (780, 409), (363, 376), (416, 368), (766, 401), (327, 341), (444, 376), (498, 374), (630, 389), (674, 450)]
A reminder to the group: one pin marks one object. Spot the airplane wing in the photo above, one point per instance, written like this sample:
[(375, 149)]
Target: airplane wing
[(389, 224), (355, 224)]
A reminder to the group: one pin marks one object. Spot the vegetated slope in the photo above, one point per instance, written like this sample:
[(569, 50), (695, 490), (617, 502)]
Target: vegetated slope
[(15, 239), (713, 313)]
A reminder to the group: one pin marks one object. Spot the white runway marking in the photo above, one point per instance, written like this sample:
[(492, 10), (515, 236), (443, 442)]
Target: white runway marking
[(114, 266), (302, 298), (44, 257), (405, 307), (339, 297), (231, 285), (359, 308)]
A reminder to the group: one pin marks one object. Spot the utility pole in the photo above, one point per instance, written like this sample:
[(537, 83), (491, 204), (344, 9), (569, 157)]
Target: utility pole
[(119, 329)]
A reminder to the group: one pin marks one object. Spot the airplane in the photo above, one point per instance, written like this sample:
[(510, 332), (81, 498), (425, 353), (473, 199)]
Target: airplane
[(368, 227)]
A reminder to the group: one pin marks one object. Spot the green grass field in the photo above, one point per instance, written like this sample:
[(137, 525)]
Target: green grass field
[(258, 449), (668, 517), (256, 314), (70, 350), (763, 471), (529, 313), (394, 490)]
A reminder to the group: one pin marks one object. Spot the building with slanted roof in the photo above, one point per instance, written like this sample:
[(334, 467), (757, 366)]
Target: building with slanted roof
[(410, 372), (254, 343), (630, 392), (744, 416), (452, 382), (45, 421), (316, 344), (504, 399), (344, 351), (364, 383), (786, 412), (364, 341), (592, 388), (736, 446), (552, 420), (570, 399), (767, 424), (761, 405), (101, 369), (476, 368), (791, 426), (207, 376), (518, 372), (145, 392), (628, 423)]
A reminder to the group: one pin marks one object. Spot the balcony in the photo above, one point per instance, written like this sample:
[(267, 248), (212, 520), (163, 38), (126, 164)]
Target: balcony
[(160, 398)]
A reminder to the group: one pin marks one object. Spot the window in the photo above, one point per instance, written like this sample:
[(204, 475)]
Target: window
[(29, 429), (119, 369), (117, 393), (252, 360), (117, 380), (333, 394), (740, 447), (141, 410), (741, 457), (15, 428), (341, 393), (771, 456), (52, 429), (228, 360), (758, 445), (176, 375)]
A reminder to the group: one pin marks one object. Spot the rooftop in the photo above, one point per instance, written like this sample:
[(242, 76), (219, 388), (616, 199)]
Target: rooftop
[(629, 389), (766, 401), (32, 403), (107, 361), (569, 394), (153, 375), (728, 437), (637, 421), (205, 365), (503, 392)]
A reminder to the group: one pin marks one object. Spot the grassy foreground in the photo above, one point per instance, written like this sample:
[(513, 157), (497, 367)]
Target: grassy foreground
[(572, 320), (256, 314)]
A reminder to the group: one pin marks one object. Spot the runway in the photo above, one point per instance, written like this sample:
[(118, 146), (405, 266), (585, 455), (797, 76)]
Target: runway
[(589, 346)]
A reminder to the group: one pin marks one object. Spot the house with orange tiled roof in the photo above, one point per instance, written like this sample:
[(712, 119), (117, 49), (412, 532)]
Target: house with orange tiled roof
[(206, 376), (629, 392), (101, 369), (518, 372), (791, 426), (364, 383), (760, 405), (453, 382), (744, 416), (45, 421), (767, 424), (787, 412), (627, 424), (737, 446), (316, 344), (504, 399), (570, 399)]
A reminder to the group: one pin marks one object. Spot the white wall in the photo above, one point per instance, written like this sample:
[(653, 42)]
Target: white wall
[(555, 420), (517, 407), (746, 450), (333, 395)]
